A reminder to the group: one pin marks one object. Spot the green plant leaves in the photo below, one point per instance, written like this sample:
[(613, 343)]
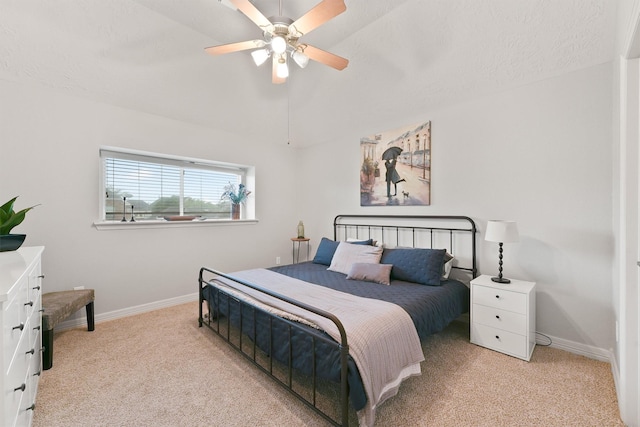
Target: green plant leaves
[(9, 219)]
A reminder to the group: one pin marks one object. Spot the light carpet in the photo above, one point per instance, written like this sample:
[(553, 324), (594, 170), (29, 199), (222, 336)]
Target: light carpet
[(161, 369)]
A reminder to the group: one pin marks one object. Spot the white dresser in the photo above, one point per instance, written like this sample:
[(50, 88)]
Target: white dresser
[(21, 357), (503, 316)]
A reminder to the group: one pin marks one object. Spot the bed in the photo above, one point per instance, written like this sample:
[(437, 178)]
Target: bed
[(306, 324)]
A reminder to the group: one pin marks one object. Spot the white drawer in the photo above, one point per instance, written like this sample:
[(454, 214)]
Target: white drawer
[(21, 334), (16, 375), (500, 319), (33, 291), (36, 359), (35, 282), (25, 415), (500, 298), (14, 327), (12, 412), (497, 339)]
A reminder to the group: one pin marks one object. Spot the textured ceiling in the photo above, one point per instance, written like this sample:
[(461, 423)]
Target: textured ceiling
[(405, 55)]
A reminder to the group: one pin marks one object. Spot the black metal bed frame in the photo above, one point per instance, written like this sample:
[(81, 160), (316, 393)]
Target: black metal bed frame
[(345, 223), (342, 222)]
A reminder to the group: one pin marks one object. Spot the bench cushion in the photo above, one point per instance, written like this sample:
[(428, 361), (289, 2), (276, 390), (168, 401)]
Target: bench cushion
[(57, 306)]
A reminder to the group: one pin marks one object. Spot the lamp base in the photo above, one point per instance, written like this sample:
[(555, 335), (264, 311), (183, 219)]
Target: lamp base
[(500, 280)]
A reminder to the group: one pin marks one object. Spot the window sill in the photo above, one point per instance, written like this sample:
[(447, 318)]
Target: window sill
[(118, 225)]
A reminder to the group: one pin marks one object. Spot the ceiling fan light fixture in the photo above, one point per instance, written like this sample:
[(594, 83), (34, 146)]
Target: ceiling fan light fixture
[(282, 70), (281, 36), (300, 58), (279, 44), (260, 56)]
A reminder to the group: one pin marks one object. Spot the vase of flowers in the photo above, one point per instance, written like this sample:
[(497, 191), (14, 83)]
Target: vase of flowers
[(236, 197)]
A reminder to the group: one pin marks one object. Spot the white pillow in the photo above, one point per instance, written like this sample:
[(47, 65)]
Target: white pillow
[(347, 254), (446, 267)]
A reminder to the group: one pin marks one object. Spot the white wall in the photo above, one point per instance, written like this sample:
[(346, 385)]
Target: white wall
[(538, 154), (49, 155)]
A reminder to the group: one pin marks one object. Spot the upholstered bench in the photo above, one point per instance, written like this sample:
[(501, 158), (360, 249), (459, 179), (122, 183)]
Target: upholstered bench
[(57, 306)]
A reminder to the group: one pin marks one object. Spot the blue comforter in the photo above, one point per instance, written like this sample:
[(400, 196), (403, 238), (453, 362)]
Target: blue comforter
[(431, 308)]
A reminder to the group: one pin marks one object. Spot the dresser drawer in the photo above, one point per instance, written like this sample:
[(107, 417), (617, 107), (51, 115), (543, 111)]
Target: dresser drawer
[(500, 340), (16, 377), (36, 359), (21, 334), (33, 291), (14, 327), (500, 319), (500, 298)]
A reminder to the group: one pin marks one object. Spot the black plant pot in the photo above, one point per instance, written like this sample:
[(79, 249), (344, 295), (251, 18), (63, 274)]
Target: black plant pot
[(11, 242)]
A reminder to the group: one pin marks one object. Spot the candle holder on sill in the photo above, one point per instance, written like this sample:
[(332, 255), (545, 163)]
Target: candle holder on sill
[(124, 210), (132, 218)]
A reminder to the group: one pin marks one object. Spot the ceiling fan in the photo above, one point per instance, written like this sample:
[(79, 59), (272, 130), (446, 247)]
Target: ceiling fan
[(282, 38)]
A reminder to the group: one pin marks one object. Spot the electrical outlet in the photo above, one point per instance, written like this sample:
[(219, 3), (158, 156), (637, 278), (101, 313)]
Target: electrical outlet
[(277, 260), (78, 288)]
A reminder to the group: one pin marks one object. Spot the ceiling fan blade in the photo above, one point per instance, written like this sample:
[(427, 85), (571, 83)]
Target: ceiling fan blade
[(234, 47), (274, 72), (327, 58), (317, 16), (246, 7)]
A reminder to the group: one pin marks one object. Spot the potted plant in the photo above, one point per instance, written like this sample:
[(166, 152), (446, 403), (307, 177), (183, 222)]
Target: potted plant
[(235, 197), (8, 220)]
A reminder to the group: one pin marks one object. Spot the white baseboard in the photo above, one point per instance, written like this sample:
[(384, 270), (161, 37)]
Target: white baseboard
[(125, 312), (589, 351), (615, 370)]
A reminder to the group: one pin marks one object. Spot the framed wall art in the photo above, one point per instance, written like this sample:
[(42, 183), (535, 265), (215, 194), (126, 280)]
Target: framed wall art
[(396, 167)]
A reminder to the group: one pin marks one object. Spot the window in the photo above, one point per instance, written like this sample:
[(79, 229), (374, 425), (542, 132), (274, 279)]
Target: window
[(148, 186)]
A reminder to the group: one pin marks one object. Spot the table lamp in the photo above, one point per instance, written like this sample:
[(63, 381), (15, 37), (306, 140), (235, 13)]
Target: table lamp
[(501, 232)]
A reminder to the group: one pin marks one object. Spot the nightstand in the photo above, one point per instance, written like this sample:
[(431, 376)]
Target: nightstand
[(503, 316), (295, 252)]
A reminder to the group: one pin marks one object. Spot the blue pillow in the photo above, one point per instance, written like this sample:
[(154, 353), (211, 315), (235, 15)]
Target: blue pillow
[(423, 266), (325, 251), (327, 248)]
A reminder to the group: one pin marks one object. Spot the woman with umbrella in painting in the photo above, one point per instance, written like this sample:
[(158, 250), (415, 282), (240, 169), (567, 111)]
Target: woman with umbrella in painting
[(390, 157)]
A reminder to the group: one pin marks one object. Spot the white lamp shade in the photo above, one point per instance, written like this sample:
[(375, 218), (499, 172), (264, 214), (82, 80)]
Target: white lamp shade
[(501, 231), (300, 58), (260, 56), (282, 70)]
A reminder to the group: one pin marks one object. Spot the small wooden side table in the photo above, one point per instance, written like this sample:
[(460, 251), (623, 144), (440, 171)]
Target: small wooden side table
[(295, 251)]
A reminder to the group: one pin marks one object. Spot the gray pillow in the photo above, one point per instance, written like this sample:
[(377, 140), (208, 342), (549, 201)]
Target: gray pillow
[(378, 273)]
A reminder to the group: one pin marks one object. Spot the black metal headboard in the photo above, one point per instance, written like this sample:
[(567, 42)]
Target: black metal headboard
[(457, 234)]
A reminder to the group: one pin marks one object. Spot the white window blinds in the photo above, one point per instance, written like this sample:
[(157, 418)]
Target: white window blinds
[(146, 186)]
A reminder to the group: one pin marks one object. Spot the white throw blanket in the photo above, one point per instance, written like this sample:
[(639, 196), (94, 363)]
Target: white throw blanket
[(382, 338)]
